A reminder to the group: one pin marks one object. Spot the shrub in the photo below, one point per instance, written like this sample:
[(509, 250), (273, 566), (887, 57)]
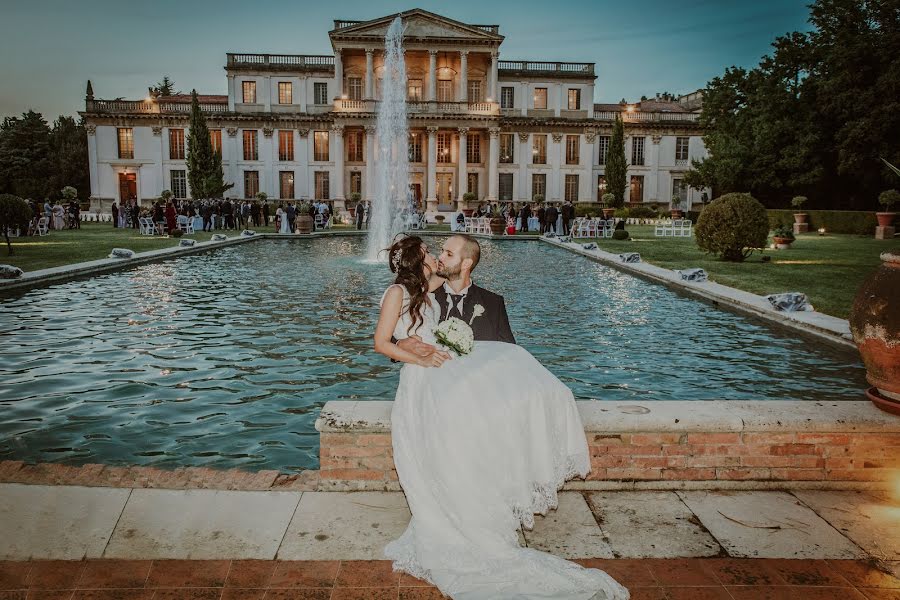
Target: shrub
[(732, 226), (608, 200), (642, 212), (586, 209), (798, 201), (857, 222), (538, 198), (620, 234), (355, 197), (177, 233), (469, 197), (785, 232), (889, 198), (621, 213), (262, 196), (69, 193), (14, 214), (166, 195)]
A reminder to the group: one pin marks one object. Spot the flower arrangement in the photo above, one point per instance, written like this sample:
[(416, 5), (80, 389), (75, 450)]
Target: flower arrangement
[(455, 335)]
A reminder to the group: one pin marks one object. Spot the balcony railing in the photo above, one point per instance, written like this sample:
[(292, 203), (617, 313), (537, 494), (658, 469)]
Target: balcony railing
[(421, 107), (529, 66), (340, 24), (495, 29), (644, 117), (302, 61), (149, 107)]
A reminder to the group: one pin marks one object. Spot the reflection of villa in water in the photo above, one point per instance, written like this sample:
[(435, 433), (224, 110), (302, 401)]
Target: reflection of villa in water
[(298, 126)]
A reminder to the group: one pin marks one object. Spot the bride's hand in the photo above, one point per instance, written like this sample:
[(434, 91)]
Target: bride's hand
[(435, 359)]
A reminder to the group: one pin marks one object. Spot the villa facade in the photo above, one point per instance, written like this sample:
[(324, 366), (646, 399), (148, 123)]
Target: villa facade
[(303, 127)]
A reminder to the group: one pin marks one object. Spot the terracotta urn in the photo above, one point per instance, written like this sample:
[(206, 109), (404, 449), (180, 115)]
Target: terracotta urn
[(800, 217), (304, 224), (468, 212), (497, 225), (608, 213), (885, 218), (875, 324)]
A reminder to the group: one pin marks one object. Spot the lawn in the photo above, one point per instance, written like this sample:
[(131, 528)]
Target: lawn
[(828, 269)]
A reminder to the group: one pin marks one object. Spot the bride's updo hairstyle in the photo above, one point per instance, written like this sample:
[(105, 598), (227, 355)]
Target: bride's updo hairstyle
[(407, 259)]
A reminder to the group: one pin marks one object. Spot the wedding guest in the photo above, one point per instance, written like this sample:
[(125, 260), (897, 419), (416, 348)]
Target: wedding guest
[(135, 214), (360, 215), (568, 213), (171, 216), (115, 214), (291, 215), (551, 215), (541, 216), (265, 213), (159, 217)]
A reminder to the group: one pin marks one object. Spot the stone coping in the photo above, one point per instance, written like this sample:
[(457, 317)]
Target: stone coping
[(664, 416), (824, 327)]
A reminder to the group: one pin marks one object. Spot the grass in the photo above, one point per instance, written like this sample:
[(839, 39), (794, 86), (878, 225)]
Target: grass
[(828, 269)]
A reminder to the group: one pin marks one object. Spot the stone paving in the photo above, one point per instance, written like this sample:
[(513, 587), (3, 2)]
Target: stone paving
[(103, 542)]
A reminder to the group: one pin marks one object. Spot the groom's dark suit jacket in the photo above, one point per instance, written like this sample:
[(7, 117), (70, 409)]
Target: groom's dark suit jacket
[(493, 325)]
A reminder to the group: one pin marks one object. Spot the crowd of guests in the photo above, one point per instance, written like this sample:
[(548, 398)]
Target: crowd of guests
[(547, 215), (59, 214)]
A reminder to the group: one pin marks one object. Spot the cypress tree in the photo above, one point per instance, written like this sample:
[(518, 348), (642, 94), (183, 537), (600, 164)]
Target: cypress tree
[(616, 169), (200, 159)]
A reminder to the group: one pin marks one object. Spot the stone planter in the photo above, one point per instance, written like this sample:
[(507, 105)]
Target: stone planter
[(885, 218), (800, 217), (468, 211), (608, 213), (875, 324), (497, 226), (439, 219), (676, 214), (782, 243), (304, 224)]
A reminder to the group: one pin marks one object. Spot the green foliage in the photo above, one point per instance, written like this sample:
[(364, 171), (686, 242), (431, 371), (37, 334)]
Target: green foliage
[(641, 212), (166, 195), (834, 221), (69, 193), (783, 231), (166, 87), (608, 200), (616, 168), (69, 158), (586, 209), (798, 201), (538, 198), (469, 197), (25, 163), (732, 226), (14, 214), (620, 234), (889, 198), (355, 197), (262, 196), (177, 233), (205, 172)]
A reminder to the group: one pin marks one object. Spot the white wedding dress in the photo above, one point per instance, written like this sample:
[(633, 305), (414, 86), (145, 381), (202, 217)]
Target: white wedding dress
[(481, 444)]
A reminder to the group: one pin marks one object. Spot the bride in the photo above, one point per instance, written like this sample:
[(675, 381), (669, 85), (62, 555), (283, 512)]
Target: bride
[(481, 443)]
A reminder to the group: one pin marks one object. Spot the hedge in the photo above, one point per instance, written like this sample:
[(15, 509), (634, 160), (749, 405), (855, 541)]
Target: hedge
[(834, 221)]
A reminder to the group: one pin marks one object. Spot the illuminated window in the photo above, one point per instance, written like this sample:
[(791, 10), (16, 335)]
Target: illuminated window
[(251, 151), (285, 92), (126, 142), (249, 92), (286, 146)]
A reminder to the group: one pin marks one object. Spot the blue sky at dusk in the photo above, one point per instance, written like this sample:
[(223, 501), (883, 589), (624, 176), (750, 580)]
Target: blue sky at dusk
[(50, 48)]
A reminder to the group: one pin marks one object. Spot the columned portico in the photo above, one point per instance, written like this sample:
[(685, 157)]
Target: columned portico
[(338, 197), (339, 73), (431, 200), (493, 94), (493, 160), (370, 164), (463, 75), (461, 158), (370, 74), (432, 75)]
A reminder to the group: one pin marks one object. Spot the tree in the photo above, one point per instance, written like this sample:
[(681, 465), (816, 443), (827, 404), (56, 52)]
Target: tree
[(205, 173), (14, 214), (166, 87), (69, 152), (25, 160), (616, 169)]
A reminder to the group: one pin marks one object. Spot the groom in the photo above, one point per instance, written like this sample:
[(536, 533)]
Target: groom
[(458, 297)]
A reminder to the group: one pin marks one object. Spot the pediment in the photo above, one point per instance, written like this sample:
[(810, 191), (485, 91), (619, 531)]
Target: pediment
[(419, 24)]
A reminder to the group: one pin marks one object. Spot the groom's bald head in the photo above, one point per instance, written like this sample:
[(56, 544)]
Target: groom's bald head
[(470, 249)]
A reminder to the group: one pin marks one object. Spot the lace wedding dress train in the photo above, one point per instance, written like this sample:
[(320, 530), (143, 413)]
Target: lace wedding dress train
[(481, 444)]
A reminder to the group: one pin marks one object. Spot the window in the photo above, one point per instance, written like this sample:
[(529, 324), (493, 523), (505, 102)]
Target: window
[(286, 146), (637, 150), (322, 185), (355, 182), (539, 149), (320, 146), (179, 183), (126, 142), (574, 99), (507, 147), (506, 187), (320, 93), (540, 97), (285, 92), (472, 183), (215, 138), (680, 189), (414, 90), (354, 141), (507, 97), (443, 147), (415, 147), (286, 185), (604, 148), (475, 91), (249, 89), (473, 148), (601, 187), (176, 144), (445, 90), (637, 189), (538, 184), (681, 148), (251, 152), (355, 88), (572, 188), (251, 183), (572, 146)]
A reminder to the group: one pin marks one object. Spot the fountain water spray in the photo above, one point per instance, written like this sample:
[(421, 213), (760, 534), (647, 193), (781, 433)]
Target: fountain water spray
[(391, 198)]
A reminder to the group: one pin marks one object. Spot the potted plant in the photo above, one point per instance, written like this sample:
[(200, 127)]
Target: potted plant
[(887, 199), (439, 219), (497, 222), (165, 195), (797, 202), (303, 220), (262, 196), (468, 198), (608, 209), (675, 211), (355, 197), (783, 237)]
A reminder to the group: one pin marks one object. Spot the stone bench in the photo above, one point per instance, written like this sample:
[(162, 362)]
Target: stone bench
[(716, 444)]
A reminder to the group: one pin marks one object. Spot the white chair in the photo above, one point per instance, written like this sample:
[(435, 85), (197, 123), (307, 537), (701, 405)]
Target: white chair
[(686, 228), (184, 224), (146, 226), (42, 226), (320, 221), (423, 222)]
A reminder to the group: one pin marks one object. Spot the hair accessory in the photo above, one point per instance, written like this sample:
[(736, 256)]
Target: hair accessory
[(395, 258)]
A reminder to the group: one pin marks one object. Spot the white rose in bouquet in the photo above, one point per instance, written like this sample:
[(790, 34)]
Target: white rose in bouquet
[(456, 335)]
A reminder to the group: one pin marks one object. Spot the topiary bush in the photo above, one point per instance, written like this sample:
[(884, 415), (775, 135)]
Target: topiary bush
[(641, 212), (620, 234), (14, 214), (732, 226)]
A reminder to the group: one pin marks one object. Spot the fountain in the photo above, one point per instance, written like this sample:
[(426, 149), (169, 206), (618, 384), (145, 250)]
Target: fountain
[(391, 197)]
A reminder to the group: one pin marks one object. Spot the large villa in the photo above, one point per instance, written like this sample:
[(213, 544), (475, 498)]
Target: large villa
[(303, 126)]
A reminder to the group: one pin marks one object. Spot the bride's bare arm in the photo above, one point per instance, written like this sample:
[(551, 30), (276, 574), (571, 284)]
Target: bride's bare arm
[(387, 321)]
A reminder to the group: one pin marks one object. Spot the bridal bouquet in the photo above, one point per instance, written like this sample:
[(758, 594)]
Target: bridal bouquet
[(455, 335)]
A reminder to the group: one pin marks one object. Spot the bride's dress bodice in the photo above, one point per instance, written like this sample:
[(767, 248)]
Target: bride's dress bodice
[(430, 316)]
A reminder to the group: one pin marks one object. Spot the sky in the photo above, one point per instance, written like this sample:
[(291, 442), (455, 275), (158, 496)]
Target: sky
[(50, 48)]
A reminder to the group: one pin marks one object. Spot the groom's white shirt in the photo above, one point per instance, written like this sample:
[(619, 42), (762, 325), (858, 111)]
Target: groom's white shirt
[(462, 292)]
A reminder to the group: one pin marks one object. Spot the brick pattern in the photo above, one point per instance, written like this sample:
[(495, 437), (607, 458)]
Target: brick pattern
[(357, 460)]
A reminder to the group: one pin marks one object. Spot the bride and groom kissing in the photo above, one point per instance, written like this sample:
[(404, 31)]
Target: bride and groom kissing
[(481, 441)]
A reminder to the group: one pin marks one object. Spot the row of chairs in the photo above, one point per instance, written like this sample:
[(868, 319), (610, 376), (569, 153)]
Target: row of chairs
[(416, 221), (478, 225), (674, 228), (42, 228), (593, 228)]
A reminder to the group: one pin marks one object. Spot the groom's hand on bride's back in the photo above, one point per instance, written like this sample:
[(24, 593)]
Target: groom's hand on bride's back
[(415, 345)]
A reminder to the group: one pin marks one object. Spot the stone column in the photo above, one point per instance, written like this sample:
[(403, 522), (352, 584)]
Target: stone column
[(303, 91), (432, 75), (339, 73), (493, 160), (370, 74), (494, 88), (463, 75), (524, 159), (556, 155), (588, 160), (338, 196), (370, 164), (302, 156), (653, 175), (461, 162), (431, 200)]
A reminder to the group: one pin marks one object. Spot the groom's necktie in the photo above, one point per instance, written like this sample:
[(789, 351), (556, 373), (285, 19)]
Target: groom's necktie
[(454, 306)]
